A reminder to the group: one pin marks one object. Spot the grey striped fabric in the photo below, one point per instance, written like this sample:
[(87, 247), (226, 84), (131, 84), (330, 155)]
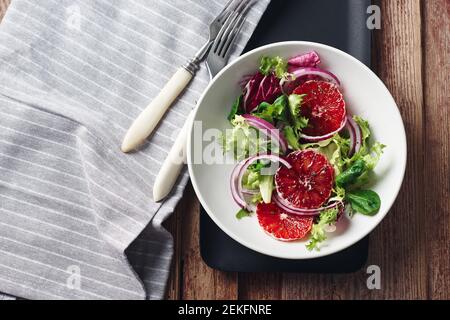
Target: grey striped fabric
[(76, 216)]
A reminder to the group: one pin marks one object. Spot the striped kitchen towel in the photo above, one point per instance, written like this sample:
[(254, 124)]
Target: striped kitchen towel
[(76, 216)]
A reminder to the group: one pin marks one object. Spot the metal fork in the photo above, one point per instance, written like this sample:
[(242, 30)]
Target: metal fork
[(146, 122), (216, 60), (221, 48)]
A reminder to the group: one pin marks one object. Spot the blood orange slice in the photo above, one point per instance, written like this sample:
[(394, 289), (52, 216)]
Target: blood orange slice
[(308, 183), (281, 225), (323, 105)]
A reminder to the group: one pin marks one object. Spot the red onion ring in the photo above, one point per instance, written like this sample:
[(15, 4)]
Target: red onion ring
[(299, 211), (238, 172), (263, 125), (326, 136), (351, 132), (249, 192), (233, 185), (309, 71), (355, 135)]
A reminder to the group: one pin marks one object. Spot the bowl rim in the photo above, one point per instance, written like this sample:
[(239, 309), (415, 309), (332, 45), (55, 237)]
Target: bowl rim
[(313, 45)]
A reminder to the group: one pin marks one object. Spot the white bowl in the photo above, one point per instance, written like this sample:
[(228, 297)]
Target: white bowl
[(365, 95)]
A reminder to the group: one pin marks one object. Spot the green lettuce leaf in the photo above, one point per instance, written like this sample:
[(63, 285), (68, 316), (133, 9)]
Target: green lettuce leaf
[(235, 108), (370, 154), (253, 179), (335, 149), (256, 166), (373, 156), (244, 141), (295, 102), (291, 137), (295, 122), (333, 153), (338, 194), (318, 233), (256, 198), (250, 180), (276, 64), (242, 214), (272, 112), (266, 187)]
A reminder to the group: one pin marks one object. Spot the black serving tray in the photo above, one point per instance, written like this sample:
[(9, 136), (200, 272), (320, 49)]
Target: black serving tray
[(341, 24)]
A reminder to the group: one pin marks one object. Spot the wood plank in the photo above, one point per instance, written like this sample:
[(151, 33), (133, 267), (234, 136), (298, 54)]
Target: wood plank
[(3, 5), (437, 144), (260, 286), (398, 244), (200, 281), (173, 225)]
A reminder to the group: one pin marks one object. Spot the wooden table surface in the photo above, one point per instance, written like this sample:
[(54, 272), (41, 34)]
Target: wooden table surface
[(412, 244)]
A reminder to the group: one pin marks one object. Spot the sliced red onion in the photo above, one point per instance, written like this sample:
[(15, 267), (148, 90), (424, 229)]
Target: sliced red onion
[(355, 135), (351, 133), (283, 204), (234, 186), (264, 125), (326, 136), (236, 182), (249, 192), (271, 157), (299, 73), (310, 59)]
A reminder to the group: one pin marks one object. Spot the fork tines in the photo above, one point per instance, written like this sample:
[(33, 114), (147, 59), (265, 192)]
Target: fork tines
[(231, 28)]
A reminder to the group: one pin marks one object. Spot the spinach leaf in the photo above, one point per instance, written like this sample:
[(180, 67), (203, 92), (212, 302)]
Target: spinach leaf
[(350, 175), (366, 202)]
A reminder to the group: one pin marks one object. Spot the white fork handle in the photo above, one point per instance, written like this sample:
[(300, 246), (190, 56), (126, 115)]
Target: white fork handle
[(146, 122), (170, 170)]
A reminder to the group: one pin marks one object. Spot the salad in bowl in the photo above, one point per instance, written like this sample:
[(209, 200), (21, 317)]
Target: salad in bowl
[(297, 150), (304, 159)]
